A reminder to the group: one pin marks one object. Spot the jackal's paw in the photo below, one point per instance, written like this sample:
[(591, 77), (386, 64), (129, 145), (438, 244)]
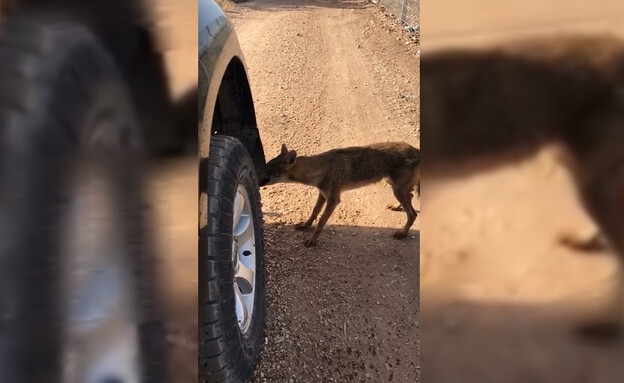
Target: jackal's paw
[(400, 234), (595, 243), (310, 243), (395, 207), (302, 226), (601, 331)]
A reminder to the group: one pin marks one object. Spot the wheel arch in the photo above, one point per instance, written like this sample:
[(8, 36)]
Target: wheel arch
[(235, 114), (226, 105)]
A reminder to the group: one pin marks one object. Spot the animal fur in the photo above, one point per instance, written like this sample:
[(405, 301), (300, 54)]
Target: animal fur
[(485, 108), (338, 170)]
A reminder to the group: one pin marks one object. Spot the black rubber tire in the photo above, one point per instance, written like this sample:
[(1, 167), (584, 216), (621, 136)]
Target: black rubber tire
[(225, 354), (54, 77)]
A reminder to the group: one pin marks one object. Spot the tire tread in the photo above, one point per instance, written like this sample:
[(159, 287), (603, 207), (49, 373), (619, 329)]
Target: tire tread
[(218, 361)]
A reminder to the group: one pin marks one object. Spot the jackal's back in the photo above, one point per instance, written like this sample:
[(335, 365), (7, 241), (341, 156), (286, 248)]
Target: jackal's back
[(477, 103), (354, 166)]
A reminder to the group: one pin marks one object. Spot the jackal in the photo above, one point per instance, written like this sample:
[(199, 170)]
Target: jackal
[(488, 107), (337, 170)]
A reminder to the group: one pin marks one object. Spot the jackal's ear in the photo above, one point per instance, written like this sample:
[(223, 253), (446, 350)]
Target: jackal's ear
[(291, 157), (284, 150)]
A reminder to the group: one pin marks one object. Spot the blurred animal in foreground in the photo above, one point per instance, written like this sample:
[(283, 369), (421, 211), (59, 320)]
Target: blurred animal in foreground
[(484, 108)]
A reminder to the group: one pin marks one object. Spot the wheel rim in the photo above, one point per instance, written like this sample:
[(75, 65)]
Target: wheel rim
[(101, 323), (244, 259)]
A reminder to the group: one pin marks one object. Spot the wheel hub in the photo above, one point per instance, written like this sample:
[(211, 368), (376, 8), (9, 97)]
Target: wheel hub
[(243, 259)]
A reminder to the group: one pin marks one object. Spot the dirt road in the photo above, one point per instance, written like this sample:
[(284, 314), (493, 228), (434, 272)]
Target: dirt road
[(500, 296), (326, 75)]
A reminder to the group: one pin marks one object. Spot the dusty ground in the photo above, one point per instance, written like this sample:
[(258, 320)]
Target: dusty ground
[(326, 75), (500, 296)]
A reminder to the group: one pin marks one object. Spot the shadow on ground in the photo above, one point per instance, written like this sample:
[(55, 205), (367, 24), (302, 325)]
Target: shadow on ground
[(470, 342), (346, 310)]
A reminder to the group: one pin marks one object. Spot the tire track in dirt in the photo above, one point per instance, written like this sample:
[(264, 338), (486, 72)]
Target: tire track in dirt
[(326, 75), (349, 95)]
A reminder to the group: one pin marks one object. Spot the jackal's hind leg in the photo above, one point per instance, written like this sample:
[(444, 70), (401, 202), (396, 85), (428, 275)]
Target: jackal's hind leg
[(603, 196), (404, 196)]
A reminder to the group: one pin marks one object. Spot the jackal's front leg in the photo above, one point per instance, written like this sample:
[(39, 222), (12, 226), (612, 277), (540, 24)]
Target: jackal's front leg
[(595, 243), (315, 212), (329, 210)]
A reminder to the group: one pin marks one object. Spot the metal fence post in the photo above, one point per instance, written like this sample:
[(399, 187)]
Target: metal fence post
[(404, 11)]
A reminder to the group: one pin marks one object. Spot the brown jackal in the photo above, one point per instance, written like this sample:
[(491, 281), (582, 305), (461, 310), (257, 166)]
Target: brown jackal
[(349, 168), (483, 108)]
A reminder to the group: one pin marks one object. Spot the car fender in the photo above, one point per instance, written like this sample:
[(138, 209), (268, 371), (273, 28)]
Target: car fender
[(218, 48)]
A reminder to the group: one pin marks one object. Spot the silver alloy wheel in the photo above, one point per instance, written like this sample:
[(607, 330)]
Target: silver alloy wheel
[(101, 321), (243, 259)]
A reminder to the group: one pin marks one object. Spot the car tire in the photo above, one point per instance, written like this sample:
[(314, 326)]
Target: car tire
[(62, 101), (230, 343)]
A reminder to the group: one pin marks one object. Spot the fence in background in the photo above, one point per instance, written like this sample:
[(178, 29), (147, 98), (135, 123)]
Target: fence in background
[(407, 11)]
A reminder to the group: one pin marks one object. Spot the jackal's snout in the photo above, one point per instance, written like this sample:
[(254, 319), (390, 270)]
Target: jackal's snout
[(277, 169)]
